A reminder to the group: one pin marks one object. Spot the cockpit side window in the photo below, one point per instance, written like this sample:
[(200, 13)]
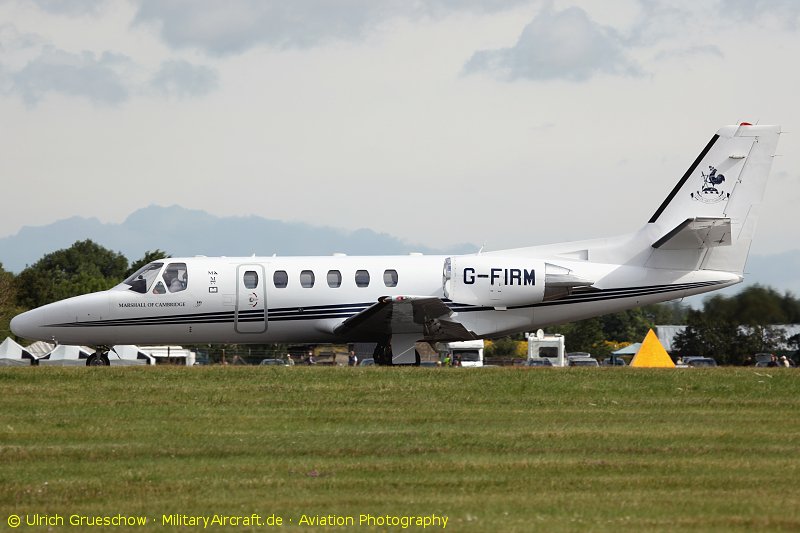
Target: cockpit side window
[(175, 277), (143, 279)]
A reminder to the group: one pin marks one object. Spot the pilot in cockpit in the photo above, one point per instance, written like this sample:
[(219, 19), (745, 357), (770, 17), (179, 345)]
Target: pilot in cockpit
[(178, 283), (175, 277)]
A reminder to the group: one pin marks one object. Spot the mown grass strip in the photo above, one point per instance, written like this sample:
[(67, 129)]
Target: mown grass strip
[(492, 449)]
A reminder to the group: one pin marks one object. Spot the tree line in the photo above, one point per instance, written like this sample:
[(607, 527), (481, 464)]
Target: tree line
[(728, 328), (82, 268), (731, 329)]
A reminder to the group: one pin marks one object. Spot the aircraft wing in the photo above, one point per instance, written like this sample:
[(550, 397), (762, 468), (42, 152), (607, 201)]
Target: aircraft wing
[(397, 315)]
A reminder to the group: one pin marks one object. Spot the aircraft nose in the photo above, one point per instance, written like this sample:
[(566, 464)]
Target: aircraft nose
[(29, 324), (38, 324), (58, 320)]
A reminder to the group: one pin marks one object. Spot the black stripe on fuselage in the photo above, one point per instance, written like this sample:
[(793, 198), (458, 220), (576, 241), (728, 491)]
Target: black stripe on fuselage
[(244, 315), (343, 311)]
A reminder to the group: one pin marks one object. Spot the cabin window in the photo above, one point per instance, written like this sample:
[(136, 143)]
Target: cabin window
[(390, 278), (175, 277), (307, 279), (281, 279), (362, 278), (141, 280), (250, 279), (334, 279)]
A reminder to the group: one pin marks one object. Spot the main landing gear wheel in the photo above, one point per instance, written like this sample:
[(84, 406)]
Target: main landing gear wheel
[(382, 355)]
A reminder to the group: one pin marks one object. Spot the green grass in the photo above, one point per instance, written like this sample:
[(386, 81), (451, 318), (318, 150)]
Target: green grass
[(491, 449)]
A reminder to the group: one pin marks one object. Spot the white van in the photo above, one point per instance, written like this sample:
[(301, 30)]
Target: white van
[(541, 345), (463, 353)]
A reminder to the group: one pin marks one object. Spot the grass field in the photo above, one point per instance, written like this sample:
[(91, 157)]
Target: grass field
[(490, 449)]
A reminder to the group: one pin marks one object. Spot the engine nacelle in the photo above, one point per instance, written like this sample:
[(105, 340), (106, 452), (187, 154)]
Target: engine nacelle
[(494, 281)]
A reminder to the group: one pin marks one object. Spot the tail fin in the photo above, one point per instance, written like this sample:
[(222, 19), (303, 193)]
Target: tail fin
[(709, 219)]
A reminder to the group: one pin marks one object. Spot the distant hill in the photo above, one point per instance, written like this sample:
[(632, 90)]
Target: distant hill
[(187, 232)]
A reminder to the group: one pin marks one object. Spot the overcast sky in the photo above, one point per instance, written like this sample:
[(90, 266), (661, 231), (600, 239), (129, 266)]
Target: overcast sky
[(504, 123)]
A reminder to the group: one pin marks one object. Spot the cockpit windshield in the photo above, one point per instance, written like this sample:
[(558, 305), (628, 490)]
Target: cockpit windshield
[(143, 278), (173, 279)]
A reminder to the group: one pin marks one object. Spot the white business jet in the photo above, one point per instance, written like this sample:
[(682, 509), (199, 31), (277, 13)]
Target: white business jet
[(696, 241)]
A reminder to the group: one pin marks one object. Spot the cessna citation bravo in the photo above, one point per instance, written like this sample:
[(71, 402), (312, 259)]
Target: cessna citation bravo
[(696, 241)]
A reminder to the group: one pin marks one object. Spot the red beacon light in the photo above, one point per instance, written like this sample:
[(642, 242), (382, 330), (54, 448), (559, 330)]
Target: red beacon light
[(745, 124)]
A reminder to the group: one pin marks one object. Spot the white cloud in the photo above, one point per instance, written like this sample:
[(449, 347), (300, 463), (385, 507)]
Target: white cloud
[(107, 79), (564, 44), (222, 28), (179, 78), (235, 26), (11, 39), (98, 79), (32, 67), (72, 7), (785, 12)]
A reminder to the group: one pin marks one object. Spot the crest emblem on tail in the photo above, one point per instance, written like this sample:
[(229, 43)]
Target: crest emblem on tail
[(709, 193)]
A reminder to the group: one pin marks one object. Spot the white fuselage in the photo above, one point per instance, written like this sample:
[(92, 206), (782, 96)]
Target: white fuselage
[(217, 306)]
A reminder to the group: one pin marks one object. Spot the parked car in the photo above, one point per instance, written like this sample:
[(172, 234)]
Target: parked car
[(538, 361), (583, 361), (763, 358), (274, 362), (572, 355), (699, 361), (369, 361), (614, 360)]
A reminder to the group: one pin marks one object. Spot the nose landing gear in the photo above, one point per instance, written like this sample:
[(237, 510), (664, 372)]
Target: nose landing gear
[(99, 357)]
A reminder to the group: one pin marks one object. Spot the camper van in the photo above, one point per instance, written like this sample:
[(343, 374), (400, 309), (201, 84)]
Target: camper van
[(551, 347), (462, 353)]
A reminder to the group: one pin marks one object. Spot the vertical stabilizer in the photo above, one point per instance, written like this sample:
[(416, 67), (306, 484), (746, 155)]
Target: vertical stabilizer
[(709, 218)]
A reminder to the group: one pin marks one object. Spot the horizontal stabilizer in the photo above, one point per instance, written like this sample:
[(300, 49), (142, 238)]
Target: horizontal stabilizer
[(697, 233)]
